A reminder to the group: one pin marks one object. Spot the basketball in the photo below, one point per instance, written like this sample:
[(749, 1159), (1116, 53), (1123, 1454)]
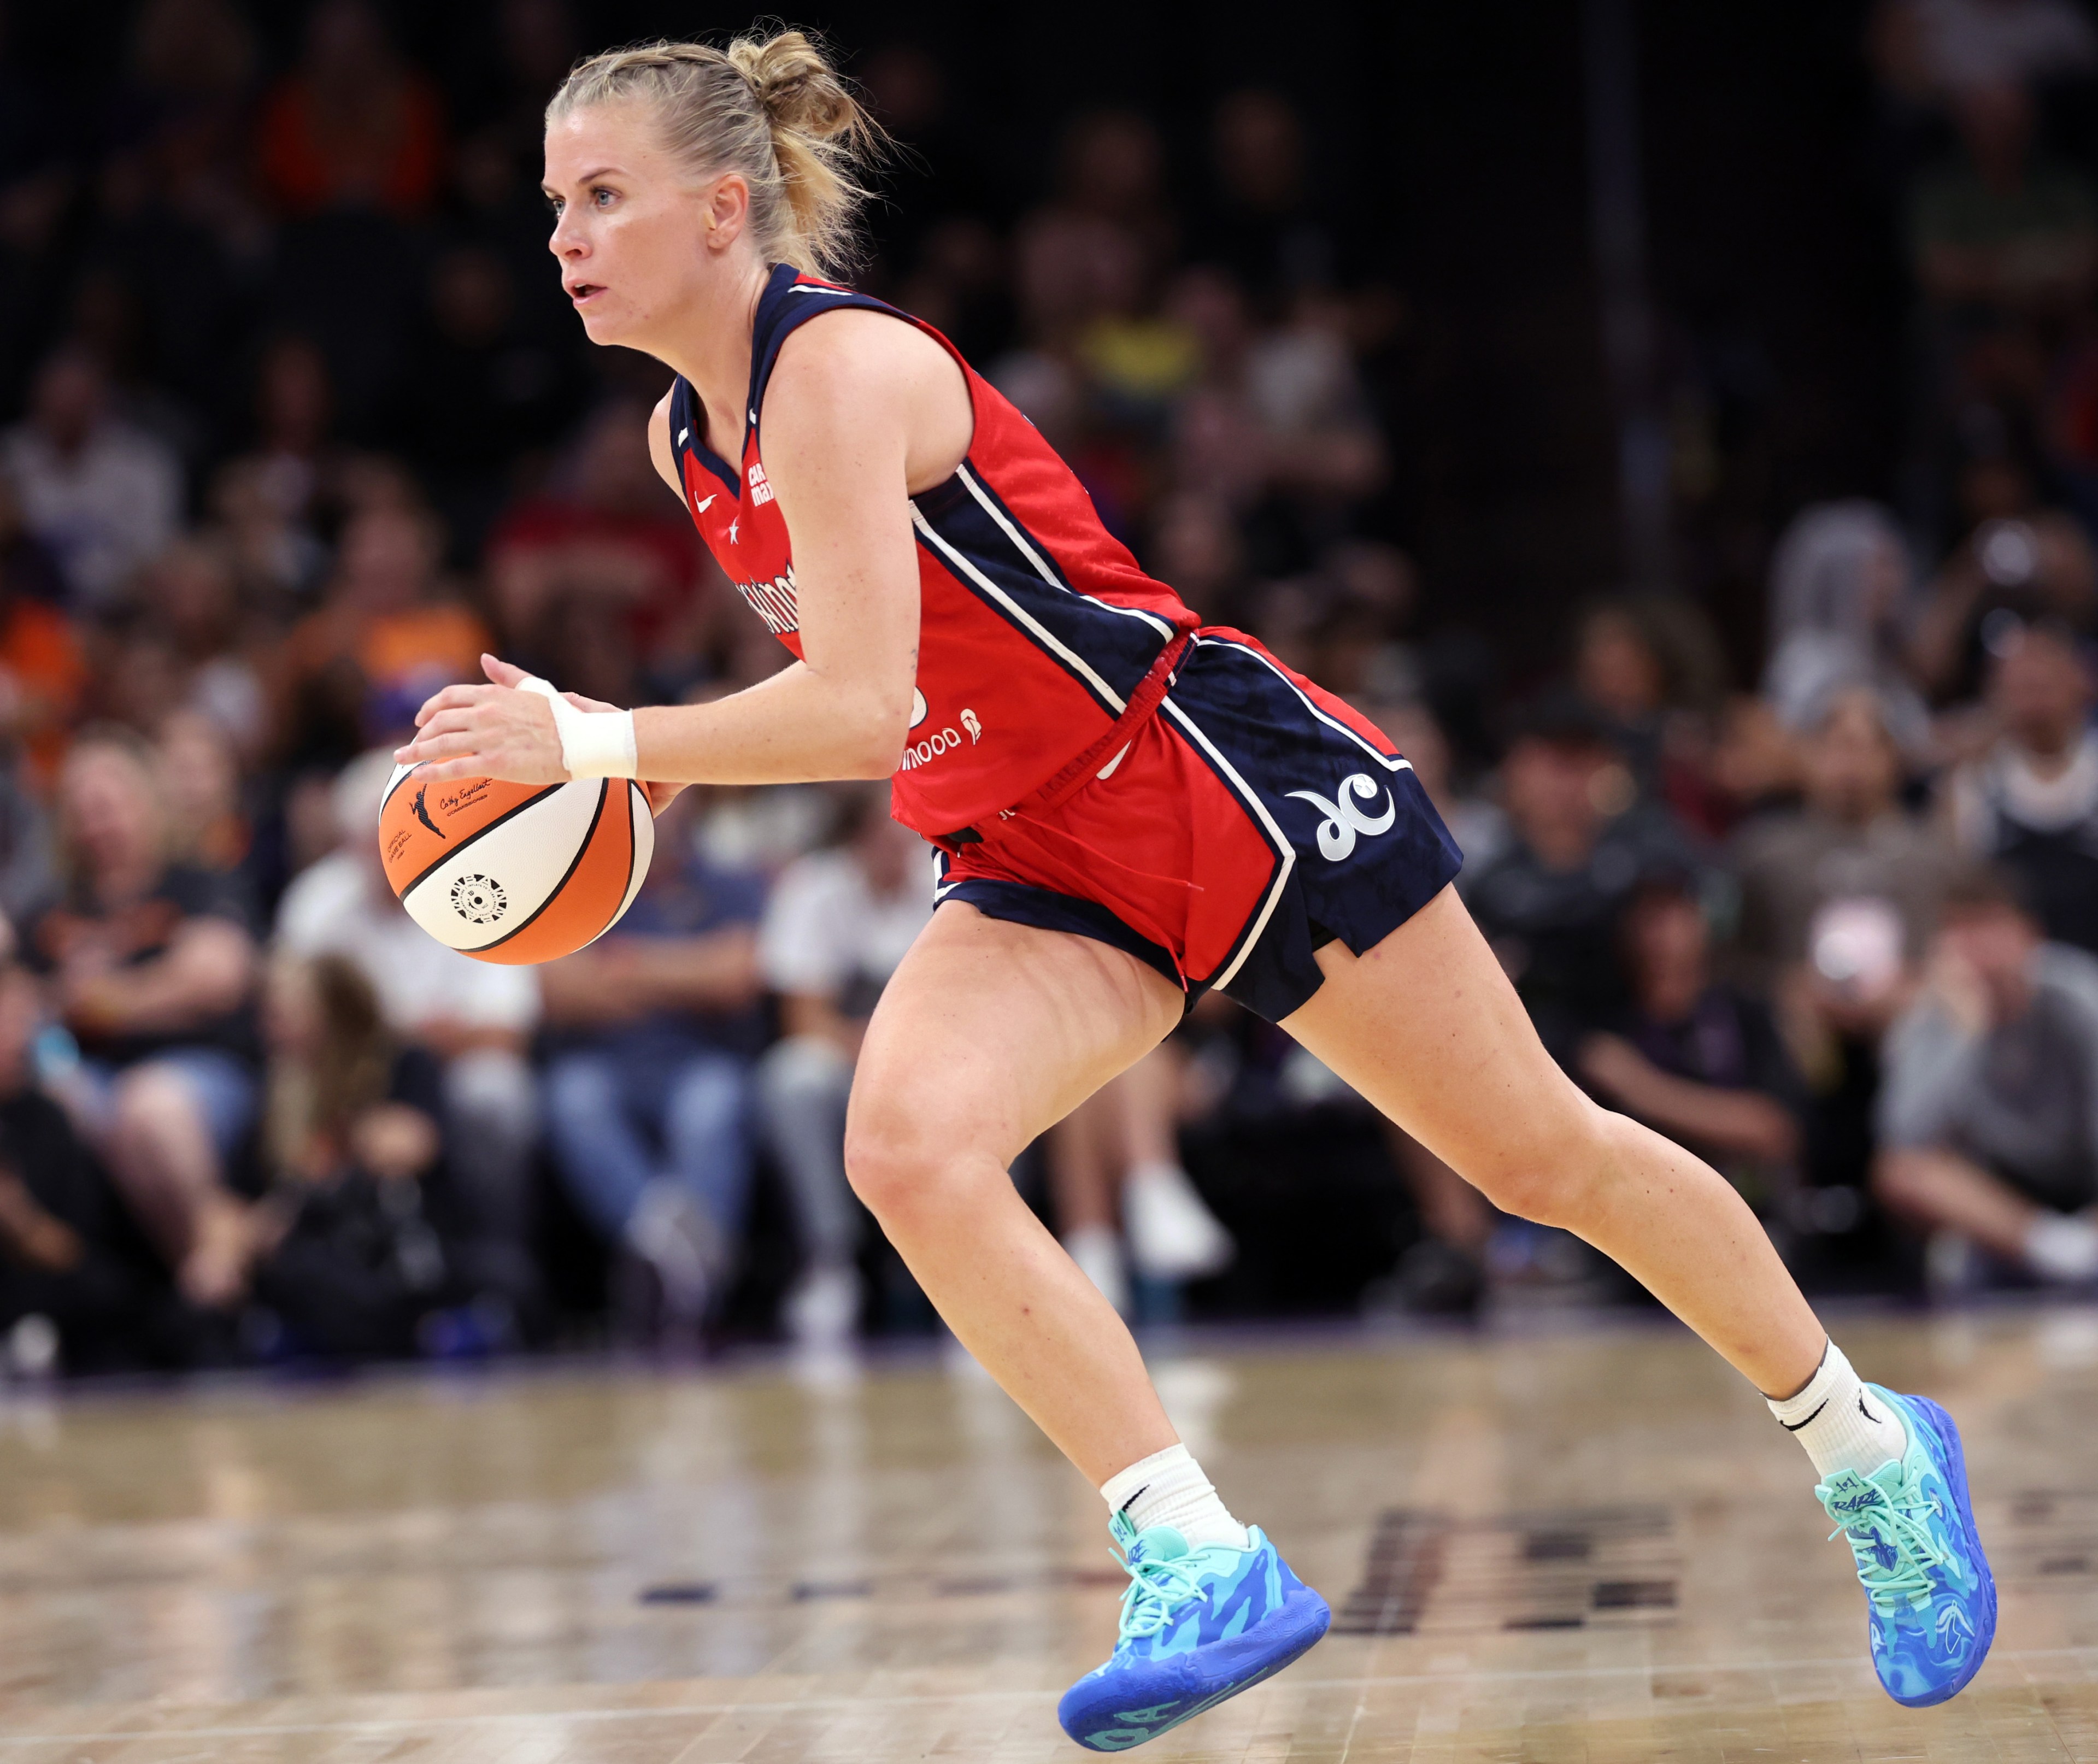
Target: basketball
[(515, 873)]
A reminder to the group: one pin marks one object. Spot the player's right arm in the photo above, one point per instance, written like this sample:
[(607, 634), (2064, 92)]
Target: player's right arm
[(854, 413)]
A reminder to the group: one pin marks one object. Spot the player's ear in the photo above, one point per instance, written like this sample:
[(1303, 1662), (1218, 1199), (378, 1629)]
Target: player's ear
[(727, 210)]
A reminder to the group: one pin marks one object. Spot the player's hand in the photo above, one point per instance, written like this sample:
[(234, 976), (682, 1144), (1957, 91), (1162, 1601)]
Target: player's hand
[(505, 677), (487, 731)]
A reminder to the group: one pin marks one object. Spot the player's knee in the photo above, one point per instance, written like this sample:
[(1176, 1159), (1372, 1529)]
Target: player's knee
[(890, 1162), (917, 1164), (1546, 1169)]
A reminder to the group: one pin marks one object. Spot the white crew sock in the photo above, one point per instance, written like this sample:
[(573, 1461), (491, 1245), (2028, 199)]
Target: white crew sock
[(1842, 1426), (2062, 1247), (1169, 1488)]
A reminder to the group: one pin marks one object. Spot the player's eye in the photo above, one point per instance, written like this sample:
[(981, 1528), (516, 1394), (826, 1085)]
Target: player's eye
[(602, 196)]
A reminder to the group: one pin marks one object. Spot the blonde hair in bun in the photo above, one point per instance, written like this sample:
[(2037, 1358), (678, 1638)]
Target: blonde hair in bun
[(771, 107)]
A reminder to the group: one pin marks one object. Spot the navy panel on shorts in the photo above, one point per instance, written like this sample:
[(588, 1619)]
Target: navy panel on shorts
[(1347, 846), (1365, 848), (1021, 903)]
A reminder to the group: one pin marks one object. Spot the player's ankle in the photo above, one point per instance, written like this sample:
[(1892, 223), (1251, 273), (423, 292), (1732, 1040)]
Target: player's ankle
[(1167, 1488), (1842, 1425)]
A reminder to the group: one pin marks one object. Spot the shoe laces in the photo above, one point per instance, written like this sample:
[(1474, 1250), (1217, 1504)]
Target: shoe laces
[(1157, 1588), (1899, 1527)]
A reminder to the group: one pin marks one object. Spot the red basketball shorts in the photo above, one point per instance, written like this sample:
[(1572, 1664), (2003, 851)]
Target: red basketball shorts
[(1254, 819)]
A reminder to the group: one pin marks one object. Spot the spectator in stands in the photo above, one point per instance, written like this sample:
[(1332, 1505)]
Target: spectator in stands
[(1989, 1117), (294, 456), (2020, 561), (2003, 229), (1838, 899), (653, 1030), (1649, 668), (192, 601), (1693, 1057), (607, 531), (1262, 223), (198, 774), (388, 634), (477, 1019), (352, 125), (348, 1261), (43, 673), (1841, 584), (1548, 902), (69, 1253), (102, 496), (2030, 803), (838, 923), (152, 963)]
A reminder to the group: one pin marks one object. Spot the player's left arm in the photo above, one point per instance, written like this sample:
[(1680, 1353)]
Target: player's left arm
[(860, 410)]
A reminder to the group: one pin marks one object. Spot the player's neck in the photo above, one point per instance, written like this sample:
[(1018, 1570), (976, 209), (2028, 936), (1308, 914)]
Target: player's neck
[(712, 350)]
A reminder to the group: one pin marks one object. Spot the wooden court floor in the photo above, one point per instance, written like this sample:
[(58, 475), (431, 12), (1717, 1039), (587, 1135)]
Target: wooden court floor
[(1584, 1547)]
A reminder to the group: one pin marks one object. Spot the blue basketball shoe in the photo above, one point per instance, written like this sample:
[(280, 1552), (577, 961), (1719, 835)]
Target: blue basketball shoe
[(1933, 1601), (1197, 1626)]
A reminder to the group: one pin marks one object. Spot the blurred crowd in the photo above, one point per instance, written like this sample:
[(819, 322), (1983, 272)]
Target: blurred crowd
[(296, 424)]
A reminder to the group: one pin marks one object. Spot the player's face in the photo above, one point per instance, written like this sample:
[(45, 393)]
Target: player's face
[(636, 243)]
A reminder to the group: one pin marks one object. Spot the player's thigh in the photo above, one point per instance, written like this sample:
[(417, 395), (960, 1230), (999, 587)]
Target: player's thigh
[(989, 1033), (1427, 1027)]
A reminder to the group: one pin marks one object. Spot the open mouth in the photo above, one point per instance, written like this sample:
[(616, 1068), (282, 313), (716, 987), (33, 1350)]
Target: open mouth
[(583, 292)]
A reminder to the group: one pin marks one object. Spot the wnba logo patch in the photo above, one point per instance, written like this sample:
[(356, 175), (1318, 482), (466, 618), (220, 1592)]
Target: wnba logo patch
[(478, 900)]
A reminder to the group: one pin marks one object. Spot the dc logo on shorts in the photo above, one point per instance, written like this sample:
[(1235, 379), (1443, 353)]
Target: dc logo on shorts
[(1343, 820)]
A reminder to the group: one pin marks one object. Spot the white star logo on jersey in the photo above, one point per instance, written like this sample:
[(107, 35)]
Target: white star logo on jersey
[(732, 526)]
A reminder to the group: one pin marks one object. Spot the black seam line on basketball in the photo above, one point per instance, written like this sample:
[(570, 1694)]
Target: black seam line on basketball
[(467, 844), (603, 794), (1793, 1427), (633, 850)]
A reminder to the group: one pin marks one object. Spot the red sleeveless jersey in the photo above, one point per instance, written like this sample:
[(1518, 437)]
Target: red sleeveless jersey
[(1036, 626)]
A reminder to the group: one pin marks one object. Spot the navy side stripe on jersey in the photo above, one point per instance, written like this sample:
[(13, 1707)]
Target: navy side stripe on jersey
[(1107, 649)]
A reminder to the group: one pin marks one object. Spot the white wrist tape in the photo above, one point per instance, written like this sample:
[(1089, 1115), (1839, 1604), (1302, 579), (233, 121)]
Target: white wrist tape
[(595, 743)]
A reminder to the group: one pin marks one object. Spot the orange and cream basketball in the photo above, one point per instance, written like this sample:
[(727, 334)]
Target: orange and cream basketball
[(515, 873)]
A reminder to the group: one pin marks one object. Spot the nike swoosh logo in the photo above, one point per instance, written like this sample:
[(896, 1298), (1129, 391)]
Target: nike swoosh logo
[(1793, 1427), (1866, 1412), (1132, 1500), (700, 508)]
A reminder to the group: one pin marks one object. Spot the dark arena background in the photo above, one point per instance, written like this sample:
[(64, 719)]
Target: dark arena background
[(1676, 426)]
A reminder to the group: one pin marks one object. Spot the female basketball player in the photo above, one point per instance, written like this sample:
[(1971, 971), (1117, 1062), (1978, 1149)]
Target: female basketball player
[(1128, 810)]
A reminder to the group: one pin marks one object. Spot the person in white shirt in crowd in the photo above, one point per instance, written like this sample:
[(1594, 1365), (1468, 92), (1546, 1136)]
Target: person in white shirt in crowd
[(477, 1017), (2030, 803), (1842, 585), (1988, 1114), (102, 496), (838, 922)]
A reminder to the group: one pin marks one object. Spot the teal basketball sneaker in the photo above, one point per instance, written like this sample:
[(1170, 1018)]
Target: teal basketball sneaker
[(1931, 1599), (1197, 1626)]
